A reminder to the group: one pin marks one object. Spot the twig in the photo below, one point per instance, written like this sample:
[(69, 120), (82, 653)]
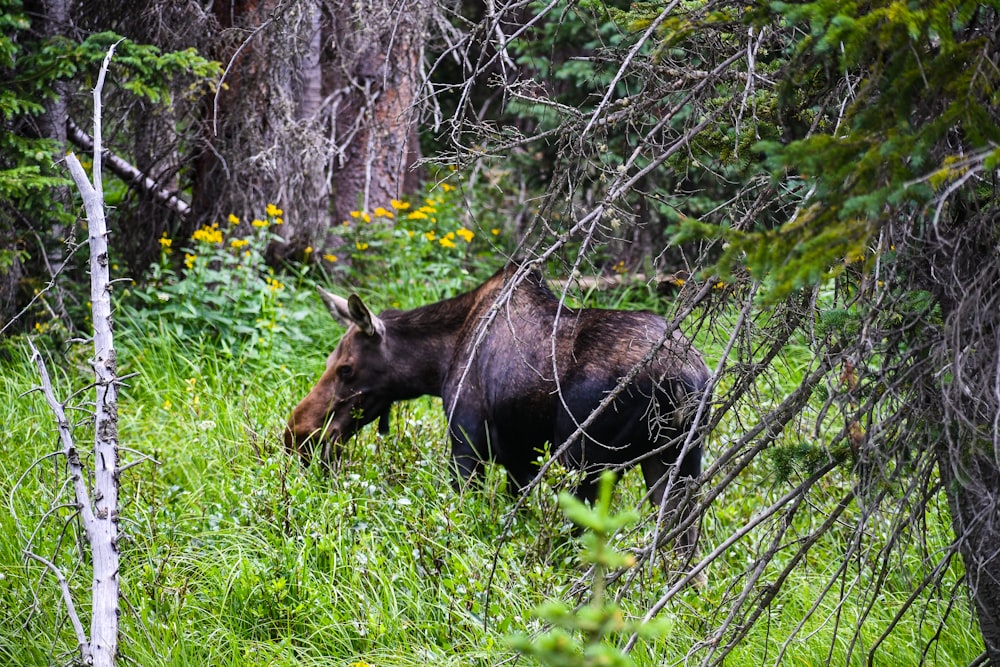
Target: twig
[(81, 635)]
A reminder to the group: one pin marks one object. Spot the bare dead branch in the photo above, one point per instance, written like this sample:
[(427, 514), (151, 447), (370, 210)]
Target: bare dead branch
[(129, 173), (67, 595)]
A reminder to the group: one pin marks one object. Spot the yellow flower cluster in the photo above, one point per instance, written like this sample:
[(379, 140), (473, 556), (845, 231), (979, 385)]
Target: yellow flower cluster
[(273, 211), (210, 235), (233, 220), (238, 243), (259, 223), (165, 243), (273, 284)]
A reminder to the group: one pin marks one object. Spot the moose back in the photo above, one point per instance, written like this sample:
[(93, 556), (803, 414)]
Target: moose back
[(516, 370)]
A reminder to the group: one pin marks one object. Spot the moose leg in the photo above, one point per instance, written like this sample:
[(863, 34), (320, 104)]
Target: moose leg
[(466, 468), (519, 476), (466, 458), (656, 472)]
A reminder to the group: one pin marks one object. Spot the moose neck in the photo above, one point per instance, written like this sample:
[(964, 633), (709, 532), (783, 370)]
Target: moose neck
[(423, 342)]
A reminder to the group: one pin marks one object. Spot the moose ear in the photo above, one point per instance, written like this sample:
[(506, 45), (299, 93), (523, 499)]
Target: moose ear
[(337, 305), (363, 317), (352, 310)]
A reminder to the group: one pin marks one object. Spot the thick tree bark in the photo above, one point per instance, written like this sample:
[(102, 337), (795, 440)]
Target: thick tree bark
[(375, 79), (972, 484), (962, 400), (264, 140), (316, 114)]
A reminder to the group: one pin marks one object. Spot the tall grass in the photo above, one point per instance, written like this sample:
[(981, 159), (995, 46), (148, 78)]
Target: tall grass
[(236, 555)]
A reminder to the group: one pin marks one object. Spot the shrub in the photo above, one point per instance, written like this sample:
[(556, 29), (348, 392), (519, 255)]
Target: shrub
[(226, 294)]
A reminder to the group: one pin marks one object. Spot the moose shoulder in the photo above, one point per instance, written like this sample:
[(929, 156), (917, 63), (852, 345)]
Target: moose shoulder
[(509, 386)]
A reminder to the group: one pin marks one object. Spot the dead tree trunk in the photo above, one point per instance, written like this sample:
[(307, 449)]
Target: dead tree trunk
[(99, 510)]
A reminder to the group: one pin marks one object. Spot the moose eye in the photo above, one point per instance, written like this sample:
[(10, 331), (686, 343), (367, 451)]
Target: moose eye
[(345, 372)]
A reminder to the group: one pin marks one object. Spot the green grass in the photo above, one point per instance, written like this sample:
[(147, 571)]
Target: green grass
[(235, 555)]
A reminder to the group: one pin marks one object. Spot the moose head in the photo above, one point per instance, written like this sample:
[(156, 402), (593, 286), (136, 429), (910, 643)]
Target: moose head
[(354, 390)]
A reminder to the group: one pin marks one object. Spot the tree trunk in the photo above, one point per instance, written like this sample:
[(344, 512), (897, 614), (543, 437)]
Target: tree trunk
[(263, 140), (101, 524), (972, 484), (375, 80), (297, 74)]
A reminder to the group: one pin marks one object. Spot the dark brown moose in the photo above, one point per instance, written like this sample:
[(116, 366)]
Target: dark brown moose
[(489, 354)]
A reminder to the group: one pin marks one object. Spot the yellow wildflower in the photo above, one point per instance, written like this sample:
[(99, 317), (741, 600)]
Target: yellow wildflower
[(308, 250), (430, 236), (361, 215), (399, 205), (447, 242), (238, 243), (165, 243), (273, 211), (620, 268), (259, 223), (466, 234), (361, 245), (495, 231), (416, 215), (167, 404), (233, 220), (447, 187), (427, 209), (206, 234), (330, 258), (279, 221), (273, 285), (189, 259), (382, 212)]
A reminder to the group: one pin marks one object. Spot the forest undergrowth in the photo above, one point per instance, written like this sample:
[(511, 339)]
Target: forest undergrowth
[(234, 554)]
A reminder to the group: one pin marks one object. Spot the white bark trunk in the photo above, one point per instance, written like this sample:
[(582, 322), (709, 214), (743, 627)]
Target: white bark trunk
[(102, 526)]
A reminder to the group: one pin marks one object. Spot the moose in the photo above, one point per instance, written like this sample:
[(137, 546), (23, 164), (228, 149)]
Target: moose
[(516, 369)]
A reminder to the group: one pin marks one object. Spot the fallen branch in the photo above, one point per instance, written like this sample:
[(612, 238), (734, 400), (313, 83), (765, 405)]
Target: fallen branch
[(129, 173), (664, 282)]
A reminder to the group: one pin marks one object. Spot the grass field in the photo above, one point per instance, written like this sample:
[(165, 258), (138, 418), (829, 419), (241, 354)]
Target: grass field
[(234, 555)]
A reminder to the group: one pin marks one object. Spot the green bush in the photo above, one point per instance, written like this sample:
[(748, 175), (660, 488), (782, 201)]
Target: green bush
[(422, 250), (226, 294)]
